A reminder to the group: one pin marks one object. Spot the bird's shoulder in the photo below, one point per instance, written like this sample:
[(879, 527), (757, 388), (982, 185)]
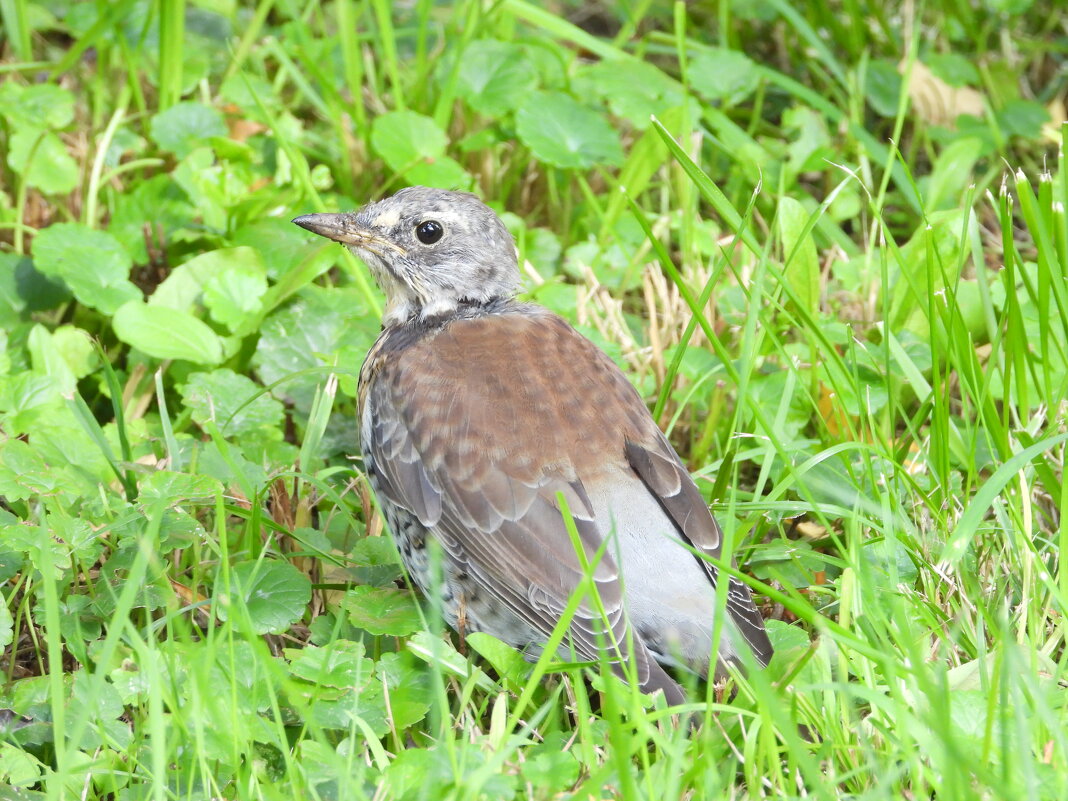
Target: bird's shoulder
[(519, 379)]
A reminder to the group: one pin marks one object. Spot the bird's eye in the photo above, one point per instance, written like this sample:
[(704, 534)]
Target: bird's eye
[(429, 231)]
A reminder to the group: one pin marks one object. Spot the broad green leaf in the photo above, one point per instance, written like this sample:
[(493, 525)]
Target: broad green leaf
[(952, 172), (803, 267), (720, 74), (280, 244), (223, 396), (564, 133), (441, 173), (48, 361), (215, 186), (44, 105), (810, 141), (23, 473), (42, 159), (910, 284), (882, 86), (46, 553), (953, 68), (12, 299), (506, 660), (65, 354), (402, 138), (320, 327), (373, 561), (186, 126), (76, 347), (235, 296), (1023, 118), (166, 333), (92, 263), (275, 594), (341, 663), (174, 487), (891, 562), (410, 690), (157, 205), (635, 90), (382, 610), (19, 768), (182, 289), (551, 763), (493, 77)]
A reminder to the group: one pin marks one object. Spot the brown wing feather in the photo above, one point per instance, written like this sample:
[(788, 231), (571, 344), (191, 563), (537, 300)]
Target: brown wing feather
[(450, 443)]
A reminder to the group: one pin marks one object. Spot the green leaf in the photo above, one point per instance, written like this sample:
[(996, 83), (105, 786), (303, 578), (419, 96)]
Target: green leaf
[(562, 132), (275, 594), (952, 172), (493, 77), (719, 74), (166, 333), (92, 263), (19, 768), (235, 296), (882, 87), (48, 361), (24, 289), (44, 105), (186, 126), (318, 328), (506, 660), (892, 563), (222, 396), (7, 624), (374, 561), (185, 285), (953, 68), (340, 664), (158, 205), (65, 354), (441, 173), (1023, 118), (810, 142), (403, 138), (551, 763), (280, 244), (803, 267), (42, 159), (382, 610), (174, 487), (408, 683), (635, 90), (937, 242)]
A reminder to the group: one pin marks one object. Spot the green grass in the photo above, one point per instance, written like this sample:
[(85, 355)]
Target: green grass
[(870, 297)]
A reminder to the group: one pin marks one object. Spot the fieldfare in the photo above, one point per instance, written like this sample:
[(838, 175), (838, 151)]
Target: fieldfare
[(478, 413)]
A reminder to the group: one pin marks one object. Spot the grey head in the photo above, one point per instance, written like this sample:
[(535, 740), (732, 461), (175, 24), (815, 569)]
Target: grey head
[(429, 250)]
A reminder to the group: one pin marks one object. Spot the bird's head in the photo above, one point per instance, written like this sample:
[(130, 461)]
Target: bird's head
[(429, 250)]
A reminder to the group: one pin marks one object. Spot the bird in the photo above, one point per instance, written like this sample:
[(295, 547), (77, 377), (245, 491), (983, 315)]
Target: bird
[(482, 416)]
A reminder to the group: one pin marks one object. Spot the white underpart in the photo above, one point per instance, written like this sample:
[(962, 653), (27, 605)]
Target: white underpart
[(667, 592)]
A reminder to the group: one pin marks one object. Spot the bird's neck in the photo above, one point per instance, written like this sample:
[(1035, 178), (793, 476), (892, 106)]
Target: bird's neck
[(442, 311)]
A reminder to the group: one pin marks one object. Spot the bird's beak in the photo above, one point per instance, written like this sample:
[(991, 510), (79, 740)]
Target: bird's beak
[(339, 227)]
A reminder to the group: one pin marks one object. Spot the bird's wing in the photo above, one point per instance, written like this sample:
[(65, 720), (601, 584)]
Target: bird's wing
[(466, 433), (659, 467)]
